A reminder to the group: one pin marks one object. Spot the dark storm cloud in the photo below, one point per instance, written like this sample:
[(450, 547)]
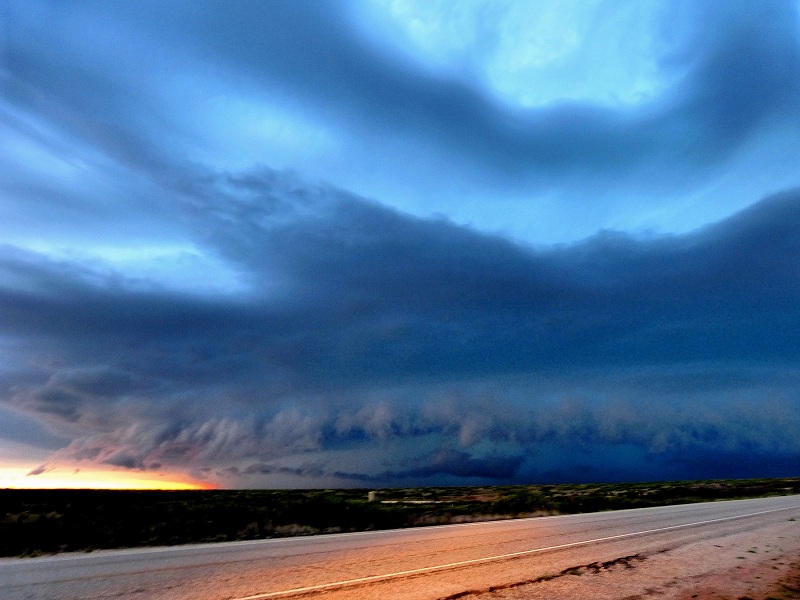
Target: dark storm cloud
[(442, 462), (349, 300), (344, 289), (447, 461), (412, 295)]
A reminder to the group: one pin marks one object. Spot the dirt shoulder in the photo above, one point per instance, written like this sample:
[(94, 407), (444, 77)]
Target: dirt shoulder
[(762, 565)]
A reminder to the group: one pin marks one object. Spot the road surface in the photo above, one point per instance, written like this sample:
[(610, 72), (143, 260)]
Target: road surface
[(421, 563)]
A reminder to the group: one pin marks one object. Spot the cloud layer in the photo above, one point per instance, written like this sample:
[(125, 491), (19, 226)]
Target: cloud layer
[(259, 243), (361, 327)]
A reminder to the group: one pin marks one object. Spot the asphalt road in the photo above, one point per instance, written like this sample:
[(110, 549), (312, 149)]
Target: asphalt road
[(424, 563)]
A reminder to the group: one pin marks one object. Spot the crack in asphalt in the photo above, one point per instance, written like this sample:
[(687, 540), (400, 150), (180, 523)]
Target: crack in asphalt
[(594, 568)]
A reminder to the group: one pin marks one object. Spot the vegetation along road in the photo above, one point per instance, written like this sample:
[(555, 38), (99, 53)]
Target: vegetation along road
[(452, 561)]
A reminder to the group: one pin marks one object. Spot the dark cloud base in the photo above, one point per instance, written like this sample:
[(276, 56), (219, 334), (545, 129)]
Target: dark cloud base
[(363, 329)]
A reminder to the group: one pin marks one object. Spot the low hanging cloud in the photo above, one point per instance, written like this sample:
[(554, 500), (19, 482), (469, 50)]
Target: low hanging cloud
[(361, 328), (447, 461)]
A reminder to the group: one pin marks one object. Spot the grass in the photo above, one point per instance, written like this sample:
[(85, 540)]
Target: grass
[(35, 522)]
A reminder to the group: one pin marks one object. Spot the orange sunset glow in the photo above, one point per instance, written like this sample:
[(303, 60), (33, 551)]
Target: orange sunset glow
[(66, 478)]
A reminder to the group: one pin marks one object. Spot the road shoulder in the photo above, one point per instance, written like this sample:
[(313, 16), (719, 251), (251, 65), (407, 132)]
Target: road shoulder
[(753, 566)]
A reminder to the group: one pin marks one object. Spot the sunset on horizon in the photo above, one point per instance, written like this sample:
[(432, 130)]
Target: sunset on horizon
[(56, 478)]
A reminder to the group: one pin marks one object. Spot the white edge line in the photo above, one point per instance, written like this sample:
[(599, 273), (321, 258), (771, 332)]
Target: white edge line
[(202, 546), (348, 582)]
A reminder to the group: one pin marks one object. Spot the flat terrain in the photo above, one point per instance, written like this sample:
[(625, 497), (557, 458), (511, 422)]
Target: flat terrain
[(666, 551), (35, 522)]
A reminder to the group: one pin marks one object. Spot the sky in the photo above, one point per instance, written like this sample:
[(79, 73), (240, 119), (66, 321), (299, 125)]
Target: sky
[(371, 243)]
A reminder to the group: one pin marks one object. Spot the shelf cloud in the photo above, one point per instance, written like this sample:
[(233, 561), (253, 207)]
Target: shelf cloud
[(285, 244)]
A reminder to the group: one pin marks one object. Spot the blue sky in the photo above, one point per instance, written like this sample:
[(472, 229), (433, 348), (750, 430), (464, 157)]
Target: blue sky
[(388, 242)]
